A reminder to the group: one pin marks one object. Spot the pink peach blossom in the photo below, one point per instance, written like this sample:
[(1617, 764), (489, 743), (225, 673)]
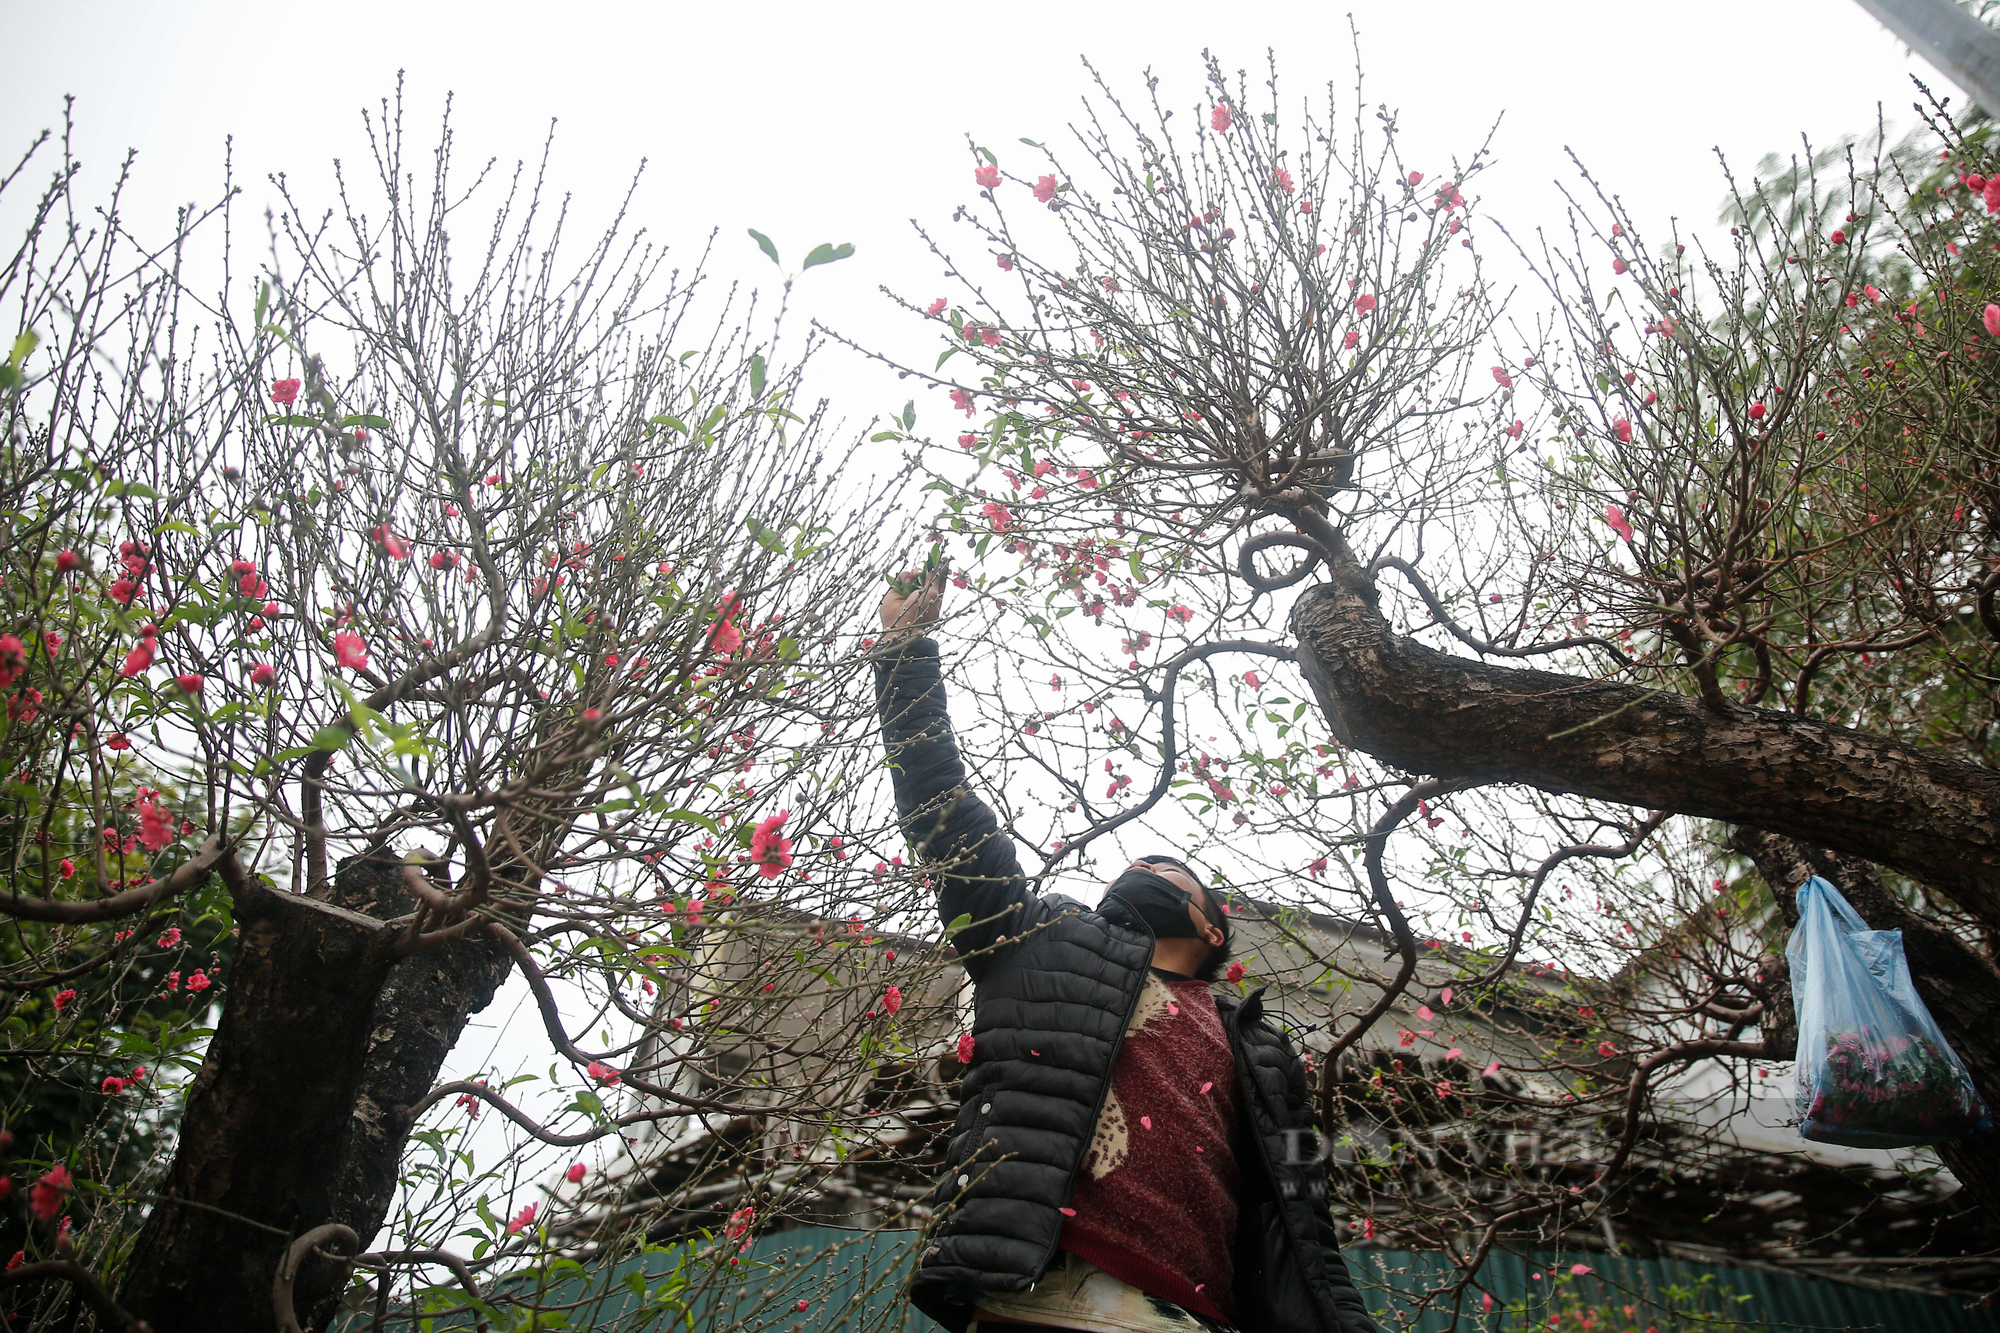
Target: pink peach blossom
[(156, 830), (46, 1196), (139, 659), (771, 852)]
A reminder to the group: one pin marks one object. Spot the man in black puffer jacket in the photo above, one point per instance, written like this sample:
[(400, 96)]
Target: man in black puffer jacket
[(1133, 1153)]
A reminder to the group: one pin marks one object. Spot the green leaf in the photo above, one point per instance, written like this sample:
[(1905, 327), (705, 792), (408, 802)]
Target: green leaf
[(957, 923), (910, 415), (25, 345), (364, 419), (263, 303), (827, 254), (1032, 144), (767, 537), (691, 817), (291, 419), (672, 423), (757, 376), (764, 244), (986, 153), (332, 738), (945, 356), (882, 435)]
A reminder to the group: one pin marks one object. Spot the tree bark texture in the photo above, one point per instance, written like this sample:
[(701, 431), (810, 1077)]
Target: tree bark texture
[(303, 1105), (1934, 819), (264, 1123), (1874, 799), (422, 1011), (1957, 983)]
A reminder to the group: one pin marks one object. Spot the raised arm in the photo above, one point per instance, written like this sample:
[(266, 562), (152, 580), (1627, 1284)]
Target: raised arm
[(952, 831)]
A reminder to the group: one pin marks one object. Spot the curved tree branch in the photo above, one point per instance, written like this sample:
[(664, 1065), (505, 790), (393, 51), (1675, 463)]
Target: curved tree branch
[(288, 1269), (1246, 563), (188, 873), (110, 1314), (1482, 646), (1608, 852), (1935, 819), (1385, 901), (1169, 722)]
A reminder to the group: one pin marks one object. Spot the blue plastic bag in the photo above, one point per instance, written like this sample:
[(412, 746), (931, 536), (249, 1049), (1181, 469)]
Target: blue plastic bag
[(1873, 1070)]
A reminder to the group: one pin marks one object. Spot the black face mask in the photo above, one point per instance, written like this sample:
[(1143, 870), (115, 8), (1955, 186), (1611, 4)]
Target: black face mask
[(1140, 895)]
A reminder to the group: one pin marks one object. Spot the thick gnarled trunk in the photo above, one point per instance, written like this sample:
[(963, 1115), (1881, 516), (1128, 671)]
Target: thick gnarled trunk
[(419, 1017), (1934, 819), (303, 1105), (264, 1124), (1876, 800)]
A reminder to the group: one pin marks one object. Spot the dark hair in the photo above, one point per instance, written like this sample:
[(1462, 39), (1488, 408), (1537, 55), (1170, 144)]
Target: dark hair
[(1211, 968)]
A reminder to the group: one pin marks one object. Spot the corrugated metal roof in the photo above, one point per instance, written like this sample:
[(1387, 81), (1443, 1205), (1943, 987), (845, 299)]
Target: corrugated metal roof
[(852, 1281), (1671, 1295)]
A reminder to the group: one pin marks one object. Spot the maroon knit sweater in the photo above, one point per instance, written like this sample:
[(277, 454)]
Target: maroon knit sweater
[(1155, 1201)]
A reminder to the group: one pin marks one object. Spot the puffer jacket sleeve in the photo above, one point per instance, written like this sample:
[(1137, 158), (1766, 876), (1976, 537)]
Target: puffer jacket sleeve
[(1348, 1305), (950, 830)]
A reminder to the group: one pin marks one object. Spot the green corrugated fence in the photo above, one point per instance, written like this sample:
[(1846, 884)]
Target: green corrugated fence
[(851, 1281), (1670, 1295)]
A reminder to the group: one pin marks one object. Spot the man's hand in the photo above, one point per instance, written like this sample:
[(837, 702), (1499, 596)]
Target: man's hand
[(911, 605)]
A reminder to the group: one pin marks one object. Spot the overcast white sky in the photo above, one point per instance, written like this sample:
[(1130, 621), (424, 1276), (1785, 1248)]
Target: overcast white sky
[(840, 123)]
